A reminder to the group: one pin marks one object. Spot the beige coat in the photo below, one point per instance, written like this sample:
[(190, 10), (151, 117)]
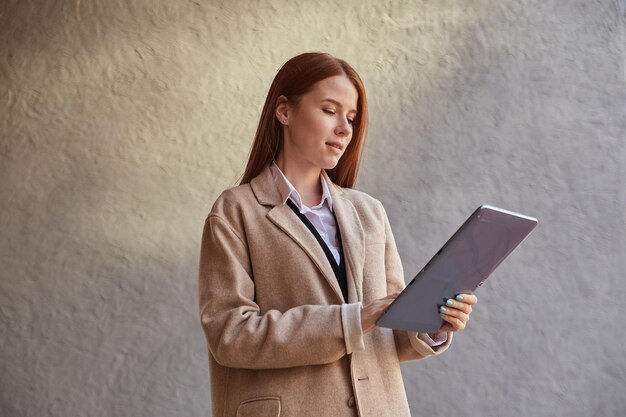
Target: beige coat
[(281, 341)]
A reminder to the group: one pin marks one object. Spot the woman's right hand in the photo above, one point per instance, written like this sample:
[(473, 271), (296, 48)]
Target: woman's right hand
[(373, 310)]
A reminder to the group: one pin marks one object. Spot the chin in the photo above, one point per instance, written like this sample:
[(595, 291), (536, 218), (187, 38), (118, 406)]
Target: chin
[(330, 165)]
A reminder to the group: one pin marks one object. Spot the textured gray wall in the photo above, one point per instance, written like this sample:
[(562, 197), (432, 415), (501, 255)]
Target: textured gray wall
[(123, 121)]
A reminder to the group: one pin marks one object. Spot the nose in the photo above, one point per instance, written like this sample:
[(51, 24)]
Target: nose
[(344, 128)]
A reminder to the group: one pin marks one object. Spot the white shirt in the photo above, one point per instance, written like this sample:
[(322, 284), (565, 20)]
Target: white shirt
[(321, 215)]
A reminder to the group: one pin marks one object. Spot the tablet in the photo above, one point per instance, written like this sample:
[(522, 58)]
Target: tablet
[(467, 259)]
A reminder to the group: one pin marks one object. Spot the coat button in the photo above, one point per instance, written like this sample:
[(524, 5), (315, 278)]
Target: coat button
[(351, 402)]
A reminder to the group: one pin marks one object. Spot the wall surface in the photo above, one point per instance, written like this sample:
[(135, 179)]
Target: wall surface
[(121, 122)]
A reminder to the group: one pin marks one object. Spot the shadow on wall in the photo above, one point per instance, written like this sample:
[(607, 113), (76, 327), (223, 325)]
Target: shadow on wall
[(520, 108), (98, 287)]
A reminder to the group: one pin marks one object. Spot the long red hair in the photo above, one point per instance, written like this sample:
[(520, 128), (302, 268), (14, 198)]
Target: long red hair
[(294, 79)]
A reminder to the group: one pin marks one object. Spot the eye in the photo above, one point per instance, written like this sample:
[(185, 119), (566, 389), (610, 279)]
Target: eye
[(351, 121), (328, 111)]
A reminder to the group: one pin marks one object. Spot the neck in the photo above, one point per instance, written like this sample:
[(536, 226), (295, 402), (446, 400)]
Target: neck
[(306, 179)]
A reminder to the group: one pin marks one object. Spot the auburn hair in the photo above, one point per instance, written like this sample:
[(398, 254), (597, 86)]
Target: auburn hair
[(294, 79)]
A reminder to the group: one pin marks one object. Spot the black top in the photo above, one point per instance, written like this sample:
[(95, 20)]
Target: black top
[(340, 270)]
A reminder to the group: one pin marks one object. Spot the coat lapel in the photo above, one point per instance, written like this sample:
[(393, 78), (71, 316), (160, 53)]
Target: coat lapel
[(284, 218), (352, 236), (267, 193)]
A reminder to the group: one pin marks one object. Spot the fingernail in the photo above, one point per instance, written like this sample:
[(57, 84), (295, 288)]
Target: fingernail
[(449, 302), (459, 297), (442, 309), (442, 315)]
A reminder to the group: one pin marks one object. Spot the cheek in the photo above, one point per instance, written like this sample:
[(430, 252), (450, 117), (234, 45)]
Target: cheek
[(312, 128)]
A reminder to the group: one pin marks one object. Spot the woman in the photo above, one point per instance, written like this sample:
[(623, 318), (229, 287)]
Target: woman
[(296, 266)]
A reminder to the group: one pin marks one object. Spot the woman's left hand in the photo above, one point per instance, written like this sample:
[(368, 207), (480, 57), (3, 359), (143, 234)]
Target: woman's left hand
[(456, 312)]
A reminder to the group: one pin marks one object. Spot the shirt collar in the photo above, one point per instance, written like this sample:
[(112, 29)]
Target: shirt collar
[(287, 190)]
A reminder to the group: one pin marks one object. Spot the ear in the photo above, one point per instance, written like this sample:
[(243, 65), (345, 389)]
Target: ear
[(282, 110)]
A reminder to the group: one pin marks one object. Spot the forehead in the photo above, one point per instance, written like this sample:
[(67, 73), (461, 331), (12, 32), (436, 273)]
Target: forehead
[(338, 88)]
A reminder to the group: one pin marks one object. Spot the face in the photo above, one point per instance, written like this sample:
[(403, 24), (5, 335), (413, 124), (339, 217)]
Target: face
[(319, 128)]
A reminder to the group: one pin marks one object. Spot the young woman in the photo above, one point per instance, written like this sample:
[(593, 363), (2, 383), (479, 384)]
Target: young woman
[(296, 265)]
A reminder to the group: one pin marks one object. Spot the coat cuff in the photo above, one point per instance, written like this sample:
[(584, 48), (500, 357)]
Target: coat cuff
[(433, 339), (352, 331), (420, 345)]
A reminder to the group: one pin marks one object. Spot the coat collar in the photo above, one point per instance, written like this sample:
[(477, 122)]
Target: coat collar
[(288, 190), (267, 193)]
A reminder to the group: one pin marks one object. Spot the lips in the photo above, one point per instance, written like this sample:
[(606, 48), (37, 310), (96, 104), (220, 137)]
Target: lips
[(335, 145)]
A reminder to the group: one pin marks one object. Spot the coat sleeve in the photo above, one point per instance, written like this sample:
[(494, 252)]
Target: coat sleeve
[(409, 345), (239, 335)]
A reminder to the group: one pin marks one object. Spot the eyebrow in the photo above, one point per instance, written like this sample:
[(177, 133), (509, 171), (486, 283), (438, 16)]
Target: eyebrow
[(339, 104)]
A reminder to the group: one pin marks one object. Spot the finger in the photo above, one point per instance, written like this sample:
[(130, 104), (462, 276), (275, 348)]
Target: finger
[(385, 300), (470, 299), (447, 327), (381, 304), (376, 308), (389, 297), (456, 324), (459, 305), (454, 313)]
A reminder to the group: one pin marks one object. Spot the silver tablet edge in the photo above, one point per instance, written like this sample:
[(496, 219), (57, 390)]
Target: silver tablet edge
[(512, 213)]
